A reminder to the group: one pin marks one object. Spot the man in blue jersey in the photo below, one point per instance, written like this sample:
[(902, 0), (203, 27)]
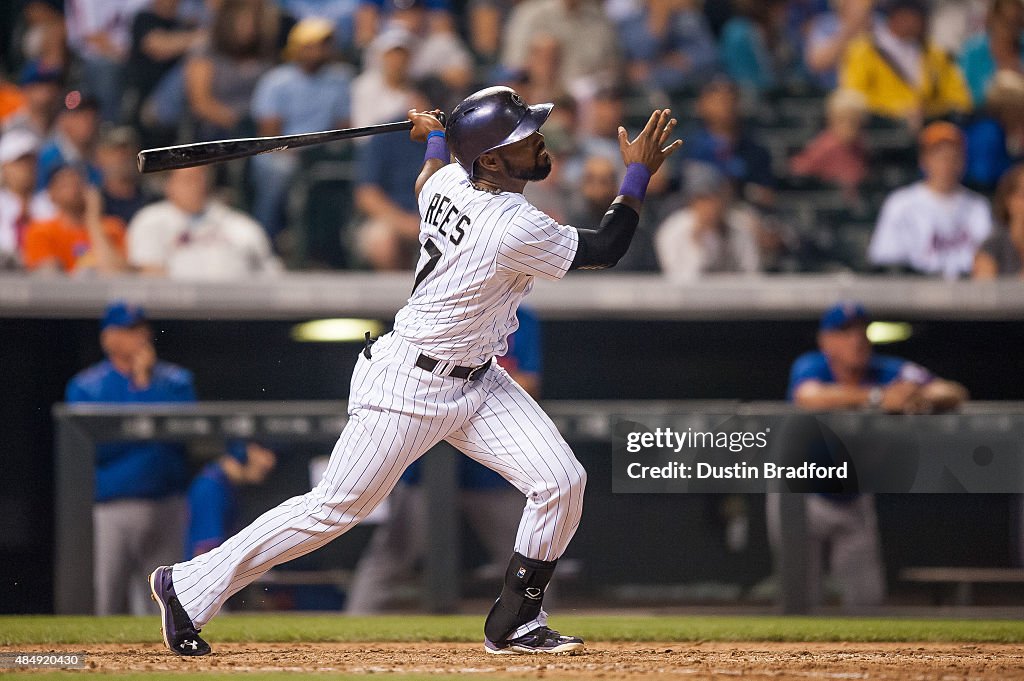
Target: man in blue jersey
[(844, 373), (212, 498), (139, 512)]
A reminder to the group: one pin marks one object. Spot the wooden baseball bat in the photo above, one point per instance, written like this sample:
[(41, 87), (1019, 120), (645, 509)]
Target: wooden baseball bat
[(202, 153)]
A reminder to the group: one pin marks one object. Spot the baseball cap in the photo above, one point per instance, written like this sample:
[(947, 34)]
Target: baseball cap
[(309, 31), (846, 100), (238, 450), (939, 132), (36, 71), (841, 315), (16, 143), (50, 170), (1005, 89), (119, 136), (122, 315), (391, 39)]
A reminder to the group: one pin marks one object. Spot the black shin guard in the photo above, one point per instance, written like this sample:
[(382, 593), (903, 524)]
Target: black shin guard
[(521, 597)]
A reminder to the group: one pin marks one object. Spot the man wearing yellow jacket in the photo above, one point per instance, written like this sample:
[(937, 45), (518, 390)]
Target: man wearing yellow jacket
[(900, 72)]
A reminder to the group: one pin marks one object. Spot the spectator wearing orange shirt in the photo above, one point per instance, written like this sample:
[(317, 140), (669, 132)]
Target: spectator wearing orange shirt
[(79, 238), (11, 102)]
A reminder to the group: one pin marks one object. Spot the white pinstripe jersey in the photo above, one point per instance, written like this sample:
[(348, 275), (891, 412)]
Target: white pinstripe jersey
[(480, 253)]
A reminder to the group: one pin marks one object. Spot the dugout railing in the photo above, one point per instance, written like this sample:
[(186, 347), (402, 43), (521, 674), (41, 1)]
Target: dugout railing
[(590, 296), (80, 427)]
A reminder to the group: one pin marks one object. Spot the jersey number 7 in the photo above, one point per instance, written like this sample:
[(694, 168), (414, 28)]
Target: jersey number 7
[(435, 254)]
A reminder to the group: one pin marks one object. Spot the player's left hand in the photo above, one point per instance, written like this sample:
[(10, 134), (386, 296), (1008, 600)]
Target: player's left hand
[(651, 147), (903, 397), (423, 123)]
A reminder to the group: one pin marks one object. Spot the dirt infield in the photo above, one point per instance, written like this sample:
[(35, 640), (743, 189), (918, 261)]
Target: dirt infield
[(775, 661)]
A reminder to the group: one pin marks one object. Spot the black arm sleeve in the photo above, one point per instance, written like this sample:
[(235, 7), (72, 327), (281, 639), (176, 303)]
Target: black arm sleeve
[(601, 248)]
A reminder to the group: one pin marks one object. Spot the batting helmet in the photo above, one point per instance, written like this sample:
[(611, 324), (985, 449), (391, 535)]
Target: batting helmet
[(491, 118)]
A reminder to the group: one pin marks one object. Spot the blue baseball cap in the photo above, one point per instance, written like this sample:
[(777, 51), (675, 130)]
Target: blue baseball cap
[(36, 72), (238, 450), (842, 314), (123, 315)]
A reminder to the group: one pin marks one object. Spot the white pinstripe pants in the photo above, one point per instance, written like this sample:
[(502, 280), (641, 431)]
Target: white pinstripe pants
[(398, 411)]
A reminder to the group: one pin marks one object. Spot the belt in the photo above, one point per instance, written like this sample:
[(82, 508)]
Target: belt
[(466, 373), (429, 364)]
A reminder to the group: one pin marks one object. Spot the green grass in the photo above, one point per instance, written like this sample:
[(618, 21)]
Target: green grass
[(41, 630)]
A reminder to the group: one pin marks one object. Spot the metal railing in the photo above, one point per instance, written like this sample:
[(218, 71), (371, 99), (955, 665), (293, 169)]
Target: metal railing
[(79, 427), (610, 295)]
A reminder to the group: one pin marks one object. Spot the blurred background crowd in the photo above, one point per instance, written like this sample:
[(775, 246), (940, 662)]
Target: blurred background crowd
[(820, 135)]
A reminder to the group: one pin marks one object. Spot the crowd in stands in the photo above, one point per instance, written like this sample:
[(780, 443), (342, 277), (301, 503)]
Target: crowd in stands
[(820, 135)]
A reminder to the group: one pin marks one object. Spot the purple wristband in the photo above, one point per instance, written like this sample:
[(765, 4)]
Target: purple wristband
[(635, 182), (437, 148)]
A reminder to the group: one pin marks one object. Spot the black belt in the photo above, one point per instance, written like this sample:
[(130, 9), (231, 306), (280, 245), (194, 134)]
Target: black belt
[(466, 373)]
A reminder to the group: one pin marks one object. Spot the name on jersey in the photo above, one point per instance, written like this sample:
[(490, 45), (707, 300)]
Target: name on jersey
[(443, 214)]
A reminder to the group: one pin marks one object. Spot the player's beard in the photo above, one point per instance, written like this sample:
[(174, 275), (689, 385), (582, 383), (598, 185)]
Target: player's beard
[(539, 171)]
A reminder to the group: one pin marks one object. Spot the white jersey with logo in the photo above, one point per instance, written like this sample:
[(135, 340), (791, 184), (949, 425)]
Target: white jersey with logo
[(480, 254), (931, 232)]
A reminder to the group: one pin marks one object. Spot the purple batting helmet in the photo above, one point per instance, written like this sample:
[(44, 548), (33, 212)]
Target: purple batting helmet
[(491, 118)]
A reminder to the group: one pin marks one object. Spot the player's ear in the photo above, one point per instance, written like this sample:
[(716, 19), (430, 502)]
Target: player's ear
[(105, 341), (489, 161)]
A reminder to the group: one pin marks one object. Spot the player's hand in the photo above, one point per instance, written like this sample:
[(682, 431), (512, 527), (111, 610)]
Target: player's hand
[(651, 147), (943, 395), (423, 123), (902, 397), (142, 365), (93, 203), (259, 462)]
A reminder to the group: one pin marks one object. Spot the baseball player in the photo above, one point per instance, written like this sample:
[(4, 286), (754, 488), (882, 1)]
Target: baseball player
[(844, 373), (434, 377), (139, 511), (212, 496)]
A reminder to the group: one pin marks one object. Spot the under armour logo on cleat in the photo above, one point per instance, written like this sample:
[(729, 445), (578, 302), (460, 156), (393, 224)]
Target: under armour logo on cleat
[(533, 593), (192, 644)]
